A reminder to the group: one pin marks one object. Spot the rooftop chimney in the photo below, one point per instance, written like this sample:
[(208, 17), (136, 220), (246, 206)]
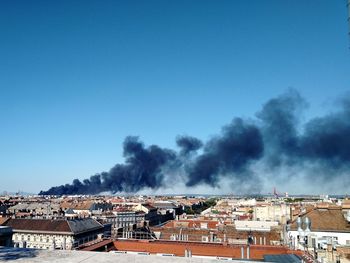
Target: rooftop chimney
[(299, 224), (307, 225), (348, 216)]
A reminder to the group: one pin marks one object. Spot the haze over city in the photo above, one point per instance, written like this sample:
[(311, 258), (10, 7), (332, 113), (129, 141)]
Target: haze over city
[(236, 95)]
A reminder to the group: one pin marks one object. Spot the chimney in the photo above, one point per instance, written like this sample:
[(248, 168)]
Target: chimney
[(307, 225), (299, 224), (348, 216)]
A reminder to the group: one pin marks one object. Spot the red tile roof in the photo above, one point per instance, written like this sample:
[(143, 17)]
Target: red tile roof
[(200, 249), (228, 232), (97, 245)]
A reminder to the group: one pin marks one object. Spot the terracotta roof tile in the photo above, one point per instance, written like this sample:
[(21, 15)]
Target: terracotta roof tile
[(201, 249), (230, 233), (327, 219), (96, 245)]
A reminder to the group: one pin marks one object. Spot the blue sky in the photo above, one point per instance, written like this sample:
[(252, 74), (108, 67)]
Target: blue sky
[(76, 77)]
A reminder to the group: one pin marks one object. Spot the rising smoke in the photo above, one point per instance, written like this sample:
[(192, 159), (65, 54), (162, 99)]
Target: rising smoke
[(275, 139)]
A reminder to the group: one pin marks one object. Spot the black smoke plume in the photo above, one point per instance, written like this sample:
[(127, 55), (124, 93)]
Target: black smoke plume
[(188, 144), (322, 142), (227, 154), (279, 126), (276, 138), (142, 168)]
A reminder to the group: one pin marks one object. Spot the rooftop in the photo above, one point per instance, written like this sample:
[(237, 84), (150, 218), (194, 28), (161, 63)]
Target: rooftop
[(326, 219), (178, 248), (77, 206), (33, 255), (47, 225)]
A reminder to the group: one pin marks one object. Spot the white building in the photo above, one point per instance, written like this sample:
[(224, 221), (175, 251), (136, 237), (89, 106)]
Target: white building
[(272, 212), (265, 226), (53, 234), (125, 218), (327, 224)]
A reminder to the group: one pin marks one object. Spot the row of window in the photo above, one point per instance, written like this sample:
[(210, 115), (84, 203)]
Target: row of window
[(58, 245), (36, 238)]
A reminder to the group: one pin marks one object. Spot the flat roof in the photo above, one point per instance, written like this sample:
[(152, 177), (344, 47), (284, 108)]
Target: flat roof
[(283, 258), (37, 255)]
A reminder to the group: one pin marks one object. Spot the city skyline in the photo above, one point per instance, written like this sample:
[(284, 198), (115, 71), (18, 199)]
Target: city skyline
[(78, 78)]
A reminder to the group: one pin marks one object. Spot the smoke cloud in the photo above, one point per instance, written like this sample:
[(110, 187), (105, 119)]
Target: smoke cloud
[(228, 154), (188, 144), (142, 168), (275, 139)]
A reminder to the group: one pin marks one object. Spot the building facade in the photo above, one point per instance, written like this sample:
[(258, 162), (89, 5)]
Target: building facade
[(54, 234), (272, 212), (321, 226)]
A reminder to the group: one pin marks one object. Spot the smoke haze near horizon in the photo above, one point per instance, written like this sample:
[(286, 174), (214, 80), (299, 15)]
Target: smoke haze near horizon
[(245, 155)]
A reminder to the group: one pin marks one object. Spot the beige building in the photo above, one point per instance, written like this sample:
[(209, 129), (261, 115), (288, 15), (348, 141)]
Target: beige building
[(272, 212), (53, 234)]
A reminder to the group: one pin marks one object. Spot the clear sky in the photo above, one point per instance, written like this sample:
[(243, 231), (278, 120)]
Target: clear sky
[(76, 77)]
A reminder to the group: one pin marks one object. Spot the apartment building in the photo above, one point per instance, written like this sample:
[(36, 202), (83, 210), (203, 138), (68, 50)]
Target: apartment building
[(279, 212), (325, 223), (53, 234)]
